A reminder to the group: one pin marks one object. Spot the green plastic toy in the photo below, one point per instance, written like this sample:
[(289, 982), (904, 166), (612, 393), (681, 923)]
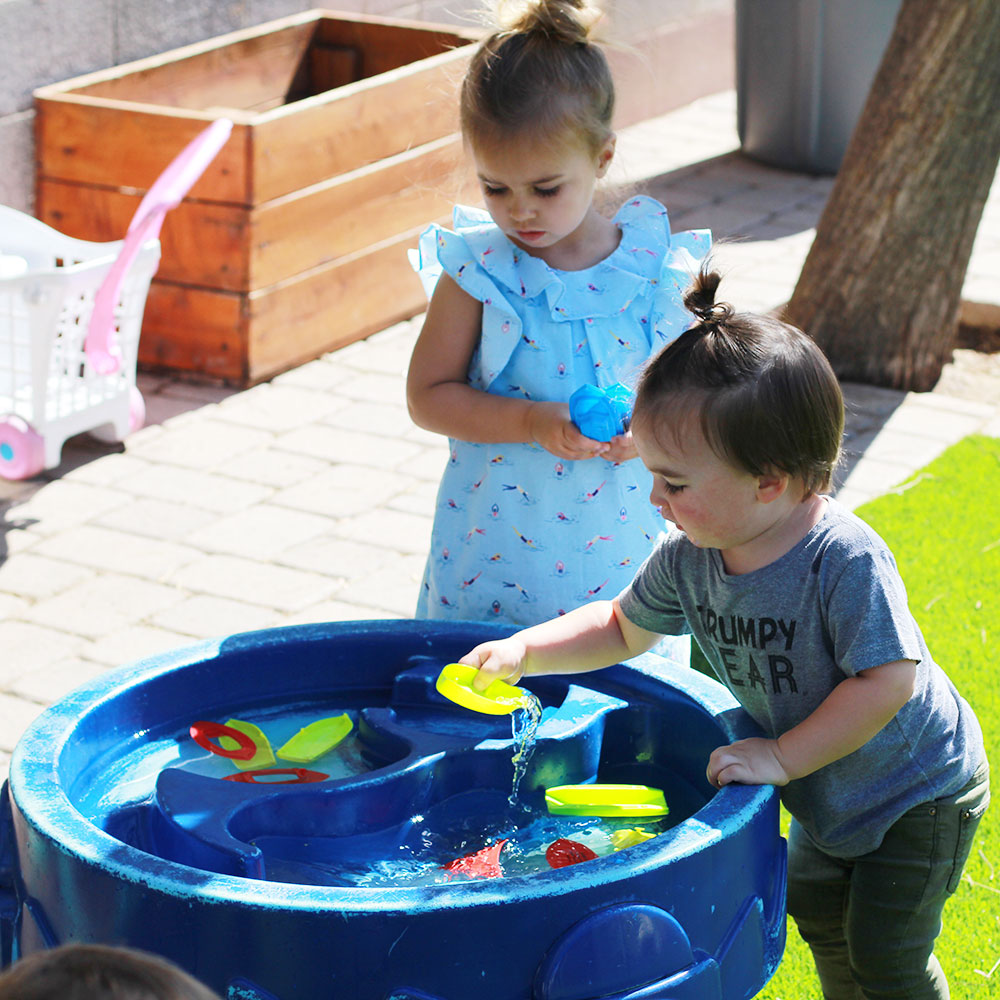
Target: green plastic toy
[(605, 800), (620, 839), (316, 739), (264, 756)]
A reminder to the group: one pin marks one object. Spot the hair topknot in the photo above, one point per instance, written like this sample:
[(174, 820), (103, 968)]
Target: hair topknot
[(699, 299), (539, 72), (566, 21), (762, 392)]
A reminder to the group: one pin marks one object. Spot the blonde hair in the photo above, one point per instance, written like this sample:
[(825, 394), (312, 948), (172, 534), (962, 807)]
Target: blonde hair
[(539, 73)]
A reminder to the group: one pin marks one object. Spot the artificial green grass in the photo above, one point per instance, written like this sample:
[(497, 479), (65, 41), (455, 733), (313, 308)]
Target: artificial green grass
[(943, 525)]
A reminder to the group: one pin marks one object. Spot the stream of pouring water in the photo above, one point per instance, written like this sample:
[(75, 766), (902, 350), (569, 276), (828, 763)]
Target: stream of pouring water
[(524, 727)]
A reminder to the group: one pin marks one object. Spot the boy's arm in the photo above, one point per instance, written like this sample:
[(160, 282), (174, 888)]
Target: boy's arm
[(440, 398), (587, 638), (854, 711)]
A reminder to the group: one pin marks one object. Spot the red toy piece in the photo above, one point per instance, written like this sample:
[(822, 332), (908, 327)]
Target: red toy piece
[(204, 732), (562, 852), (300, 776), (482, 864)]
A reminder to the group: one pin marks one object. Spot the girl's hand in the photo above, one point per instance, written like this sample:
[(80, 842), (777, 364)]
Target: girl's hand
[(755, 761), (499, 659), (550, 427), (621, 448)]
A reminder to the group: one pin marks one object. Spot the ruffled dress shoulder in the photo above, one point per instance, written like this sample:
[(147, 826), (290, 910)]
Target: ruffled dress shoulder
[(651, 267)]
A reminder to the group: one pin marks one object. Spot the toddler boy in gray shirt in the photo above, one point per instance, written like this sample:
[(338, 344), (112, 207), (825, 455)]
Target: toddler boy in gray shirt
[(799, 608)]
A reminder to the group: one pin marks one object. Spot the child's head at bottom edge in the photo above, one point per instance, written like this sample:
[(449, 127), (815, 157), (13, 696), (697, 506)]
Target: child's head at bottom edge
[(98, 972), (761, 392)]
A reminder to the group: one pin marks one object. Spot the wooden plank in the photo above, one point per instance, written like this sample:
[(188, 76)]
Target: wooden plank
[(203, 243), (106, 145), (388, 45), (332, 306), (320, 224), (195, 330), (232, 248), (83, 212), (355, 125), (242, 74), (331, 66), (206, 48), (242, 339)]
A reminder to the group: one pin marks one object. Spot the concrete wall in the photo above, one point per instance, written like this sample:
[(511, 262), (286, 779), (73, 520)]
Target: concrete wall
[(46, 41)]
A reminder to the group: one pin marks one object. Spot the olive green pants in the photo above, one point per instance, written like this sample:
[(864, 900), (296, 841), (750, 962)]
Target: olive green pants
[(871, 921)]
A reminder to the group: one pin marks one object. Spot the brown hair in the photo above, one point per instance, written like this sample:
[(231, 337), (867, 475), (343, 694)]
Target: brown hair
[(540, 73), (98, 972), (766, 395)]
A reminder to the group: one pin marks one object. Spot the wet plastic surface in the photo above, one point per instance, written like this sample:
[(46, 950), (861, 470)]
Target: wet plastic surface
[(111, 837)]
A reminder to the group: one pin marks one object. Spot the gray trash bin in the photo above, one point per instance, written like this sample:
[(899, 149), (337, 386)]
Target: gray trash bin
[(803, 71)]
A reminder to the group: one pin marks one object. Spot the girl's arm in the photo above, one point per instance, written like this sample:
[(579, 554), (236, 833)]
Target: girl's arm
[(851, 714), (587, 638), (440, 398)]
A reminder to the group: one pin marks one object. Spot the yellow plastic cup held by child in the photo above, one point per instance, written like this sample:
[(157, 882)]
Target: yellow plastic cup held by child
[(500, 698)]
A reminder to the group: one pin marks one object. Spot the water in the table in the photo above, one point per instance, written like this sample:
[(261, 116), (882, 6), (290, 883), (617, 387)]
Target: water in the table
[(418, 851), (411, 853)]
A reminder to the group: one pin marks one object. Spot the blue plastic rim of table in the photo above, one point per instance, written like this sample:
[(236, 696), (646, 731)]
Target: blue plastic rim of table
[(178, 868)]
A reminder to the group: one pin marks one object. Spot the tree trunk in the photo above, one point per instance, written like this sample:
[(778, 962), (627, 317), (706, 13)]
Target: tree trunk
[(881, 286)]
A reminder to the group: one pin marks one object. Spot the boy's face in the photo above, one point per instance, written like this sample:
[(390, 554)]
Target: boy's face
[(715, 504)]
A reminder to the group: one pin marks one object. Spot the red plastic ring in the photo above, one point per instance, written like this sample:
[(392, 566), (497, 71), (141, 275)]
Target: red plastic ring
[(203, 732), (302, 776)]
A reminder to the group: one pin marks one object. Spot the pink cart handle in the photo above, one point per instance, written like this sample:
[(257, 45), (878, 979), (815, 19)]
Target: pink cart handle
[(101, 346)]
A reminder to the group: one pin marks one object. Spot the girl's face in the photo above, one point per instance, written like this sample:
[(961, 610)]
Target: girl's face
[(715, 504), (541, 194)]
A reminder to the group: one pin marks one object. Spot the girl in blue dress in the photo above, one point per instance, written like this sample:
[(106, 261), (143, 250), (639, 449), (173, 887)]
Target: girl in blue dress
[(529, 300)]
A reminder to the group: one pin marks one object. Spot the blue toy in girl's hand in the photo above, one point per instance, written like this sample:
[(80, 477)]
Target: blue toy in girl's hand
[(601, 414)]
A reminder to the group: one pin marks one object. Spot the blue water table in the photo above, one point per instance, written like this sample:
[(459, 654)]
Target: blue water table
[(301, 813)]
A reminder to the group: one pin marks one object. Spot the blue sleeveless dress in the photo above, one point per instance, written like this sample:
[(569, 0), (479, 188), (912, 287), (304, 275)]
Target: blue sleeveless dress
[(520, 535)]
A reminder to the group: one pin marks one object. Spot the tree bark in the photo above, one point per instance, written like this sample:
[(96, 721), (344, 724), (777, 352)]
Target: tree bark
[(881, 287)]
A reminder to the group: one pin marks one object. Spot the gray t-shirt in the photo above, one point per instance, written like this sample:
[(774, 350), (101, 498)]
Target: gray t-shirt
[(783, 636)]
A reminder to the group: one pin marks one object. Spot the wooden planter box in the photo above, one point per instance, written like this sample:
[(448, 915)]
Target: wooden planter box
[(294, 240)]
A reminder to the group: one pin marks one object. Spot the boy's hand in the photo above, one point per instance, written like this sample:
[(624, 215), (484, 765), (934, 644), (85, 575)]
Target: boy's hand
[(550, 427), (755, 761), (847, 718), (499, 659)]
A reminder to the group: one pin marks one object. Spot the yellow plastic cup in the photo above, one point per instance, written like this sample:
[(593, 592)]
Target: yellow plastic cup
[(500, 698), (605, 800)]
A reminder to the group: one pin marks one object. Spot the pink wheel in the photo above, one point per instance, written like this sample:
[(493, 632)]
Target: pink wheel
[(22, 450)]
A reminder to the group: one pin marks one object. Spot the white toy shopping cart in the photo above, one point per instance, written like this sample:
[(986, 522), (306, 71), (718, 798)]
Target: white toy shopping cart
[(70, 315)]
